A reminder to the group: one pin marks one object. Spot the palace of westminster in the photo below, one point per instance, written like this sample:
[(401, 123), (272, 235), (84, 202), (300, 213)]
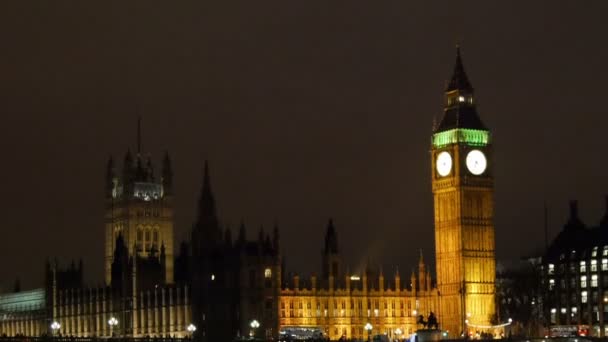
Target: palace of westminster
[(230, 286)]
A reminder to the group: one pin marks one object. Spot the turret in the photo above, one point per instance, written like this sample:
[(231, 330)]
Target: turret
[(110, 178), (207, 223), (330, 255), (574, 221), (128, 174), (149, 170), (167, 177), (421, 274), (276, 239), (413, 282), (228, 237), (397, 280)]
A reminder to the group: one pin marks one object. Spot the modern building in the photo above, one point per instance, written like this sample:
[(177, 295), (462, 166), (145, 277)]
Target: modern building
[(575, 278), (234, 287)]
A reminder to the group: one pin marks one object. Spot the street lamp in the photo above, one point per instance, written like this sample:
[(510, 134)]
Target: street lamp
[(398, 332), (191, 329), (55, 326), (254, 325), (112, 322), (368, 327)]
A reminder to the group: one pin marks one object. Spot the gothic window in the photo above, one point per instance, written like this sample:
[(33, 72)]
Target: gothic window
[(604, 264), (551, 269), (551, 284), (155, 237), (267, 272), (605, 251), (583, 267), (594, 251), (583, 281)]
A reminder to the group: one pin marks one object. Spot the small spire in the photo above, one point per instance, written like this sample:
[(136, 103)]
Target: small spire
[(331, 239), (242, 232)]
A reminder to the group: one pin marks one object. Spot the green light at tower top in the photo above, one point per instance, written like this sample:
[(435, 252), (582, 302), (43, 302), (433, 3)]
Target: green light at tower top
[(473, 137)]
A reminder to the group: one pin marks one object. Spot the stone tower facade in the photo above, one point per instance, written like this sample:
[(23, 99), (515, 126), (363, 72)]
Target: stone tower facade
[(463, 193), (139, 210)]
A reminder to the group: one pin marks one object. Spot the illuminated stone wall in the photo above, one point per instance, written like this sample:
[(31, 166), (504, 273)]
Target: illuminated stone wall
[(345, 310), (162, 312)]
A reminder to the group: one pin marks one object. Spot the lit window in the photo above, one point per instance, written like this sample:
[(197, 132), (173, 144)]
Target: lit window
[(605, 251), (593, 265), (574, 309), (551, 284), (583, 281), (583, 266), (604, 264), (376, 312), (551, 269), (594, 280), (267, 273), (213, 277), (563, 310), (594, 251), (460, 98), (584, 297)]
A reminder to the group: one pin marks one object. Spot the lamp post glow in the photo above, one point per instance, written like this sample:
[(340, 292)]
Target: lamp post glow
[(254, 325), (112, 322), (191, 328), (55, 326), (398, 332), (368, 327)]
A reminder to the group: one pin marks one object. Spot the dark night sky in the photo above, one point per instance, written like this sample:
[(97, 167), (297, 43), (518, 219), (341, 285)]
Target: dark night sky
[(306, 110)]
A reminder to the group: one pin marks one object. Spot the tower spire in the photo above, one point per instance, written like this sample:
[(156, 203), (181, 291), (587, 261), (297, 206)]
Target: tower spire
[(459, 80)]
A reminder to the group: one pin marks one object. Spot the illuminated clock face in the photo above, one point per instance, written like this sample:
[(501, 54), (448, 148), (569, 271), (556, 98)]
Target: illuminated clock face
[(476, 162), (444, 163)]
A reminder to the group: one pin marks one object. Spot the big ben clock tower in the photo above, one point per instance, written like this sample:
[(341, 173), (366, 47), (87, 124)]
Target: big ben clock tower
[(463, 194)]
